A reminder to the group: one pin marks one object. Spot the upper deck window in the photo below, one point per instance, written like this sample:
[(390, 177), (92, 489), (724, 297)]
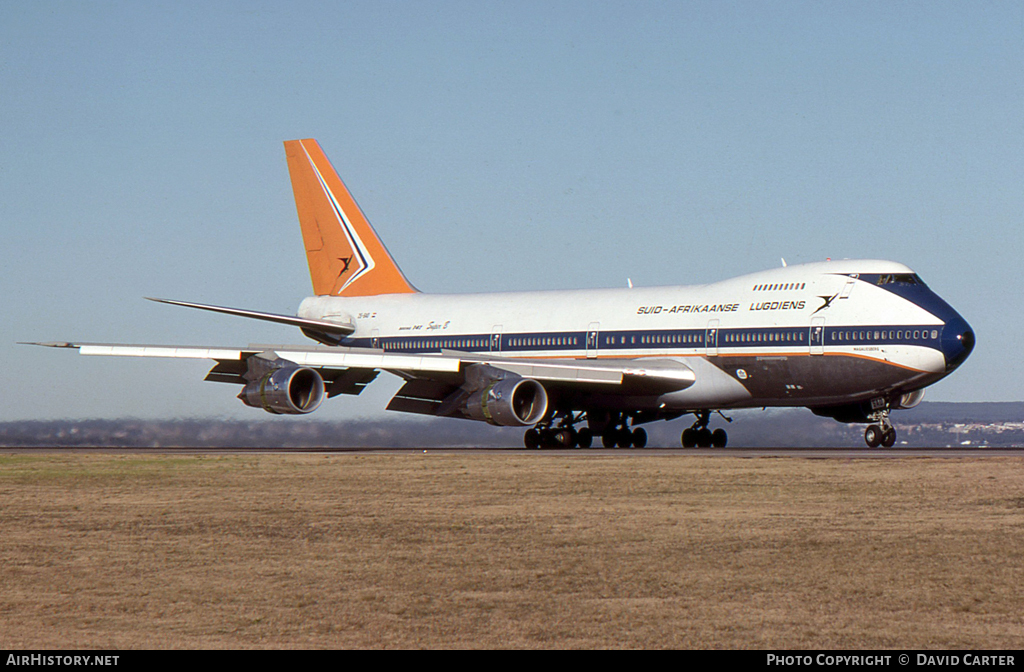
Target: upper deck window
[(899, 278)]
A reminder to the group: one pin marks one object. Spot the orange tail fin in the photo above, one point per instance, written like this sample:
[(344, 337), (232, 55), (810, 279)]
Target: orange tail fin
[(346, 258)]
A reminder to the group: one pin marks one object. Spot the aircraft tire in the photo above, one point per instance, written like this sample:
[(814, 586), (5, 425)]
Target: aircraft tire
[(689, 438), (585, 437), (873, 436), (889, 438), (704, 437), (563, 438), (610, 437), (719, 439), (639, 437), (532, 439)]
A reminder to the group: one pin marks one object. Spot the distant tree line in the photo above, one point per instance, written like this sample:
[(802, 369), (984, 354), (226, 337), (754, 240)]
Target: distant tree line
[(930, 424)]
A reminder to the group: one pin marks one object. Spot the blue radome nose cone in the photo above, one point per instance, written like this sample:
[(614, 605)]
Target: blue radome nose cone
[(957, 342)]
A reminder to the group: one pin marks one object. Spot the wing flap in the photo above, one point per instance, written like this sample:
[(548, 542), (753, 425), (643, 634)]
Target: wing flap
[(422, 396), (349, 381), (420, 406)]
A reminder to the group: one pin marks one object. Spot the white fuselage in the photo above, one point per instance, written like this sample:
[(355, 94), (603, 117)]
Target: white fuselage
[(798, 335)]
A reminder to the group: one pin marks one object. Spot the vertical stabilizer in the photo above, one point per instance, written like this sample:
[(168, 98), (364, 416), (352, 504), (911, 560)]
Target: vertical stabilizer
[(346, 258)]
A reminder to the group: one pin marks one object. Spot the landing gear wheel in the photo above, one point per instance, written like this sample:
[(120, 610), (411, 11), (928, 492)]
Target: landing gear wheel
[(563, 438), (584, 437), (882, 432), (532, 439), (610, 437), (639, 437), (699, 434)]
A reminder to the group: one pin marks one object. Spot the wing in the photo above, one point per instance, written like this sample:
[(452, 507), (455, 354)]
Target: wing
[(443, 383)]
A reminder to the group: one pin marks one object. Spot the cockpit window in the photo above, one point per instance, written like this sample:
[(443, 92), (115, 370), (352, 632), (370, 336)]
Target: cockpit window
[(899, 278)]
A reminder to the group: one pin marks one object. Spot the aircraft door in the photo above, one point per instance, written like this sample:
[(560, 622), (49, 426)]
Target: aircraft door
[(817, 336), (711, 339), (592, 333), (496, 338)]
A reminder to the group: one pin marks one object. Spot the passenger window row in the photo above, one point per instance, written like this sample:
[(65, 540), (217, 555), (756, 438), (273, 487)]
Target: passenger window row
[(767, 337), (780, 286), (696, 339), (898, 335)]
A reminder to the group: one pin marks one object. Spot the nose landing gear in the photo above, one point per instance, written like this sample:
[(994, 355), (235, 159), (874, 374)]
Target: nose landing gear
[(882, 434)]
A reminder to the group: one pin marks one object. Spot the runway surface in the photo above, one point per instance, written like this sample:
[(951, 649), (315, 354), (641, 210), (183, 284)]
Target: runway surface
[(807, 453)]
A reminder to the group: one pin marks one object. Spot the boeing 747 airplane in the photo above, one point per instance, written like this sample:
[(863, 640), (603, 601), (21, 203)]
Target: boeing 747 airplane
[(851, 340)]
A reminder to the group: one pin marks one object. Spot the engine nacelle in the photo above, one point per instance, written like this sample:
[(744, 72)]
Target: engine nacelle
[(863, 411), (509, 402), (909, 400), (289, 390)]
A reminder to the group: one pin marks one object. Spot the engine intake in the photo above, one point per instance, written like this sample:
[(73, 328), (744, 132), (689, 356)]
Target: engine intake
[(909, 400), (509, 402), (288, 390)]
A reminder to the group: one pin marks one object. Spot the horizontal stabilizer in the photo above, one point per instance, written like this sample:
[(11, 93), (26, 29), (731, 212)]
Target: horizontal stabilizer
[(314, 325)]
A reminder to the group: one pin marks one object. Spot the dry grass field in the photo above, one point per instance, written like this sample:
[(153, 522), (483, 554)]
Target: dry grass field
[(509, 551)]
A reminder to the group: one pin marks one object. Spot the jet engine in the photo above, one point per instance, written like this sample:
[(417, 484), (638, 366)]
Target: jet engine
[(909, 400), (508, 402), (288, 390), (862, 412)]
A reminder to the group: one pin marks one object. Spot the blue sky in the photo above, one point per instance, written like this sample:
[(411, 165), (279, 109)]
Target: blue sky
[(511, 145)]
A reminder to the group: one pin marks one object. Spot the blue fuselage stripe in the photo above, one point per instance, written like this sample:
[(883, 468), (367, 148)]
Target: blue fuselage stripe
[(685, 340)]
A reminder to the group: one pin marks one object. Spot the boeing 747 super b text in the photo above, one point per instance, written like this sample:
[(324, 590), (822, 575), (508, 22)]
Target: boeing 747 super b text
[(851, 340)]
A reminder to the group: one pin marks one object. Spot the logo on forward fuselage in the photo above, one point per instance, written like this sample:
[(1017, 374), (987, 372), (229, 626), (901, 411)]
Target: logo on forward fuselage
[(827, 302)]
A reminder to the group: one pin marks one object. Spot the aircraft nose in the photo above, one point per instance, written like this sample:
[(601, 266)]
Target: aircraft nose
[(957, 342)]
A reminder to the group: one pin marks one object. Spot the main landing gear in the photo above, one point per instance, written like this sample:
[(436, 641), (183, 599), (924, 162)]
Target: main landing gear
[(559, 432), (881, 434), (621, 436), (700, 436)]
